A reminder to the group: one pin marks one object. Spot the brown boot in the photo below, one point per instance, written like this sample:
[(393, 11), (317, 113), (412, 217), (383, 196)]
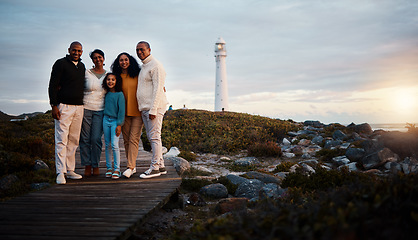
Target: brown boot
[(87, 171), (96, 171)]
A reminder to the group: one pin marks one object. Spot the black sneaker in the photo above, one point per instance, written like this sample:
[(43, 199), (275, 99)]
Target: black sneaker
[(150, 173), (163, 171)]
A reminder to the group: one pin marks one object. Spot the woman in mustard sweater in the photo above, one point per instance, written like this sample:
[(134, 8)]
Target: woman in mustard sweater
[(128, 69)]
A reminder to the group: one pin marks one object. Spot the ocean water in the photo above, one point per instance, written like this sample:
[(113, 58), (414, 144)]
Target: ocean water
[(401, 127)]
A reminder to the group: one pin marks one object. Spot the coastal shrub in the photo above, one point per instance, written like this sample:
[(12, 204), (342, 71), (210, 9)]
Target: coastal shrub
[(267, 149), (220, 133), (188, 155), (323, 179), (377, 208)]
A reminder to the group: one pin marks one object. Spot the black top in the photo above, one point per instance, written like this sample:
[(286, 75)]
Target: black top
[(67, 82)]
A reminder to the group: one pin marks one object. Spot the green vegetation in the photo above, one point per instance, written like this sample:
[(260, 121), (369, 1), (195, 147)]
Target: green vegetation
[(220, 133), (355, 206), (267, 149), (21, 144)]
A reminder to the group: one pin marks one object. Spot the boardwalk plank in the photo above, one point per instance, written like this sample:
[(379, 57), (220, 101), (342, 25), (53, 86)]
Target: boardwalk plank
[(90, 208)]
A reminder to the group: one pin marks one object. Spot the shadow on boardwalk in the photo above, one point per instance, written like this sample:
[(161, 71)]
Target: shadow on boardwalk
[(90, 208)]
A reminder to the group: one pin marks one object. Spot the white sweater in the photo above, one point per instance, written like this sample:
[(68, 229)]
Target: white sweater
[(150, 93), (94, 93)]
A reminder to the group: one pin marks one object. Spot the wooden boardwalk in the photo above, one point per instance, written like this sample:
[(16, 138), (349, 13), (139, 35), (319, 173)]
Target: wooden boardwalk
[(90, 208)]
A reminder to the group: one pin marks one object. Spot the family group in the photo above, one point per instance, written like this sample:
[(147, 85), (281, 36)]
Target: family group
[(89, 103)]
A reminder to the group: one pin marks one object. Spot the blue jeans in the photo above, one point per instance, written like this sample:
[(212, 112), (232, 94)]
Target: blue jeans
[(91, 138), (109, 129)]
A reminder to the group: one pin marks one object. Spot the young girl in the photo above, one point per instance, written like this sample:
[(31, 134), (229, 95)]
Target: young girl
[(114, 116)]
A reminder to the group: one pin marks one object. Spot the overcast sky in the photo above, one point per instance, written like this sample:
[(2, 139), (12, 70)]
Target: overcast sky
[(333, 61)]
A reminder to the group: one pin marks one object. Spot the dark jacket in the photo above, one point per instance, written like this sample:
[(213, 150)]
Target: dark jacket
[(67, 82)]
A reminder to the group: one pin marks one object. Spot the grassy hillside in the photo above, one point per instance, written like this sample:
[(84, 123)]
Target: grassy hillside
[(228, 132)]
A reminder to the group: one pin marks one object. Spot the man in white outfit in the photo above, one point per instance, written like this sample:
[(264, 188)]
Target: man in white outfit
[(152, 103), (66, 92)]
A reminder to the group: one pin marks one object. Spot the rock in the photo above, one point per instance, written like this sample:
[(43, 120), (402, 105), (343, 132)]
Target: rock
[(180, 164), (352, 167), (345, 145), (39, 164), (224, 159), (203, 169), (39, 186), (312, 123), (281, 175), (318, 139), (311, 162), (270, 190), (286, 142), (297, 150), (307, 169), (174, 152), (216, 190), (293, 168), (378, 159), (236, 180), (393, 167), (409, 164), (304, 142), (340, 160), (339, 135), (8, 181), (332, 143), (247, 161), (361, 128), (355, 154), (265, 178), (196, 200), (249, 189), (289, 155), (231, 205), (372, 146)]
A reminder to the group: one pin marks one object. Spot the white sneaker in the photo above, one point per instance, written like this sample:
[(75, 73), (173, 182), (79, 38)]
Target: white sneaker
[(128, 172), (73, 175), (61, 178), (150, 173)]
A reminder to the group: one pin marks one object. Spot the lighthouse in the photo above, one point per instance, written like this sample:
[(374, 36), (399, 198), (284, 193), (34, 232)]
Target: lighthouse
[(221, 87)]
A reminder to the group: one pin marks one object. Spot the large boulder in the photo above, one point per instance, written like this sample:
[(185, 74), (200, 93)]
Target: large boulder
[(355, 154), (216, 190), (339, 135), (180, 164), (236, 180), (39, 164), (249, 189), (265, 178), (379, 158), (316, 124), (364, 128)]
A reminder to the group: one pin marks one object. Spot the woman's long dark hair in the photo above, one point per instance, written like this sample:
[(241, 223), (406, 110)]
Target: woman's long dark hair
[(118, 85), (133, 69)]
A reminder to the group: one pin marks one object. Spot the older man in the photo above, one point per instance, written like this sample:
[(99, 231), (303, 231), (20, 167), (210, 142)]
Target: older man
[(66, 91), (152, 103)]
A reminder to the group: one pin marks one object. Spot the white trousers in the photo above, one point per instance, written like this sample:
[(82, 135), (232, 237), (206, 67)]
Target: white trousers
[(153, 129), (67, 135)]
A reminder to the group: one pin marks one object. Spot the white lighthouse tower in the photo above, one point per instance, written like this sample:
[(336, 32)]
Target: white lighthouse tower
[(221, 87)]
